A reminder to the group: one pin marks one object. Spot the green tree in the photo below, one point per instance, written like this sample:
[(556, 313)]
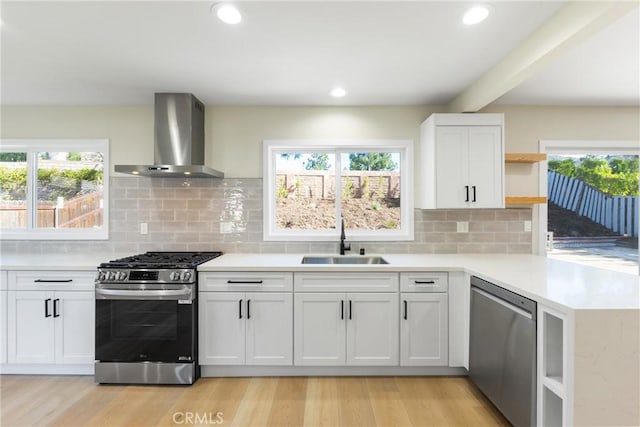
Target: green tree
[(565, 167), (371, 162), (13, 157), (318, 162), (74, 156)]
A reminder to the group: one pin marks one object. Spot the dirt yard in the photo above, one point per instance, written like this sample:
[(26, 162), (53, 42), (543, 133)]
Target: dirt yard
[(360, 213)]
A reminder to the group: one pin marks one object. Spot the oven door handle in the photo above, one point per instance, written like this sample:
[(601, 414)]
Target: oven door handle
[(159, 294)]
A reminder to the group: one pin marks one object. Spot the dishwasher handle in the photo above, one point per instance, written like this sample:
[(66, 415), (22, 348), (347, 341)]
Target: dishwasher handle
[(502, 302)]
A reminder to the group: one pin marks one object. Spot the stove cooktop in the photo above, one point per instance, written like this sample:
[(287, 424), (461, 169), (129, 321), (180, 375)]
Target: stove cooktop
[(162, 260)]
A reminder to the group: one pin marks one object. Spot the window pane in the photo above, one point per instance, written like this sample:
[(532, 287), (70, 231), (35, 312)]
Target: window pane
[(305, 191), (371, 190), (13, 190), (70, 189)]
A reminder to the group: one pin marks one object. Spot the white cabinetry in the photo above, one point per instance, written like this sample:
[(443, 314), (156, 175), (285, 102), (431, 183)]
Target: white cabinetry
[(462, 161), (553, 370), (424, 324), (357, 328), (51, 318), (245, 328), (3, 317)]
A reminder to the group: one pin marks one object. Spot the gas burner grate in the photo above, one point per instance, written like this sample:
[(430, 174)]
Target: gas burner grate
[(161, 260)]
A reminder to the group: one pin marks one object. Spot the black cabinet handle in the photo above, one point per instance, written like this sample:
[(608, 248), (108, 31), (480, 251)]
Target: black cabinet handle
[(248, 309), (466, 188), (244, 282), (349, 309), (240, 309), (474, 193), (53, 280), (46, 308), (55, 307), (424, 282), (405, 309), (341, 309)]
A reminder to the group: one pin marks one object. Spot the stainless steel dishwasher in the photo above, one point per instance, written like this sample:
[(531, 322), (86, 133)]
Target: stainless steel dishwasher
[(502, 350)]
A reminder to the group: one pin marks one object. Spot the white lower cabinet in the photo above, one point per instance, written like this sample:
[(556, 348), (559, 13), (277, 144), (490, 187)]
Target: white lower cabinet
[(424, 323), (50, 327), (357, 329), (423, 329), (372, 329), (3, 317), (245, 328)]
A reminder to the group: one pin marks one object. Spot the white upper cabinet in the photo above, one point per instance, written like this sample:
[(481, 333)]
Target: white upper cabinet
[(462, 161)]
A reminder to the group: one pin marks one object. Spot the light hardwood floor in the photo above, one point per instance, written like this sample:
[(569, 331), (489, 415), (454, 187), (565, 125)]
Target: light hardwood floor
[(286, 401)]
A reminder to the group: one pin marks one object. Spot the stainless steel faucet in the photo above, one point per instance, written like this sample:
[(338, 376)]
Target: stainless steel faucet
[(343, 247)]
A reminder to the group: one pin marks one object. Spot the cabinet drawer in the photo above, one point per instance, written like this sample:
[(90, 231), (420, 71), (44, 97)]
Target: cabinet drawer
[(52, 280), (346, 282), (424, 282), (245, 281)]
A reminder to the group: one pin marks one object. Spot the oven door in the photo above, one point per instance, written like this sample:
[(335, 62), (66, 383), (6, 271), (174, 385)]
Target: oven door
[(153, 323)]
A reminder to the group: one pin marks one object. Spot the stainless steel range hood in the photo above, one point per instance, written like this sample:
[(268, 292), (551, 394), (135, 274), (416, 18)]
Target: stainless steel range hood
[(178, 149)]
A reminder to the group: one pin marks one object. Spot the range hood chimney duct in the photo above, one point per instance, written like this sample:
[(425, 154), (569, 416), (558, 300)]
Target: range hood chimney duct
[(178, 149)]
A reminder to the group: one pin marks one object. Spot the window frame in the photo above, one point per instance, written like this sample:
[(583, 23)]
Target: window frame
[(33, 146), (271, 148)]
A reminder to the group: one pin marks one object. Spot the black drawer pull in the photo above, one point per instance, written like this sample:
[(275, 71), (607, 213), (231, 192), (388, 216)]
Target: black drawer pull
[(46, 308), (248, 309), (244, 282), (405, 309), (425, 282), (240, 309), (53, 280), (55, 307), (350, 310), (341, 309)]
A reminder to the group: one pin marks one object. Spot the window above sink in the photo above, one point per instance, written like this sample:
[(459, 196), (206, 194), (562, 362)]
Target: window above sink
[(310, 185)]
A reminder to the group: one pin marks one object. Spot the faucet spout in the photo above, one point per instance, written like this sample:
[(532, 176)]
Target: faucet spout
[(343, 247)]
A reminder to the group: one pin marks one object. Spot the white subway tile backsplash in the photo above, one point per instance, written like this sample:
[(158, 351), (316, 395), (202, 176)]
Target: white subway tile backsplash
[(186, 215)]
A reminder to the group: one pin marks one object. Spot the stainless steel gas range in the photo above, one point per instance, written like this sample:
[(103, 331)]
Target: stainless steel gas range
[(147, 318)]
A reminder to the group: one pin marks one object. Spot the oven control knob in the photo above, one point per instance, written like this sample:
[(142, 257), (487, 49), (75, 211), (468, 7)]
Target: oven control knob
[(122, 275), (111, 275), (186, 276), (101, 275), (174, 276)]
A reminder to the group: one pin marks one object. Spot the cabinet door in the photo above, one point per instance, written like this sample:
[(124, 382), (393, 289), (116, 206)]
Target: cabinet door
[(451, 166), (269, 339), (30, 327), (372, 329), (319, 329), (3, 326), (74, 320), (221, 328), (423, 329), (486, 164)]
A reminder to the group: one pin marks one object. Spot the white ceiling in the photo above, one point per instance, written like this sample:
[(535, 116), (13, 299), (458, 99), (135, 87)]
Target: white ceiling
[(293, 53)]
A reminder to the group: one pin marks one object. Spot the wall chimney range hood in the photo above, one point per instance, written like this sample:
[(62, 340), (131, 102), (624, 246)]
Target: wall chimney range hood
[(178, 149)]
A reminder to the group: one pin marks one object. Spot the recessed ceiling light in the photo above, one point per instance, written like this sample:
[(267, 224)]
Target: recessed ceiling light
[(475, 15), (338, 92), (227, 13)]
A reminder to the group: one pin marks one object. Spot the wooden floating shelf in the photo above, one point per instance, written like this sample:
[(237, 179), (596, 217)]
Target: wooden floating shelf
[(524, 157), (525, 200)]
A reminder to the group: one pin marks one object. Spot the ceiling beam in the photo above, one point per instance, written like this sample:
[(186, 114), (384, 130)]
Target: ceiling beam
[(573, 23)]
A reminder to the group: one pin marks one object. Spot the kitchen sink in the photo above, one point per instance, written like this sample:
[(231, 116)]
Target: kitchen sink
[(343, 260)]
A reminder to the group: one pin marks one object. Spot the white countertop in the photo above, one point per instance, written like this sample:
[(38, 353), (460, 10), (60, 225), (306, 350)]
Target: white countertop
[(57, 261), (558, 284)]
